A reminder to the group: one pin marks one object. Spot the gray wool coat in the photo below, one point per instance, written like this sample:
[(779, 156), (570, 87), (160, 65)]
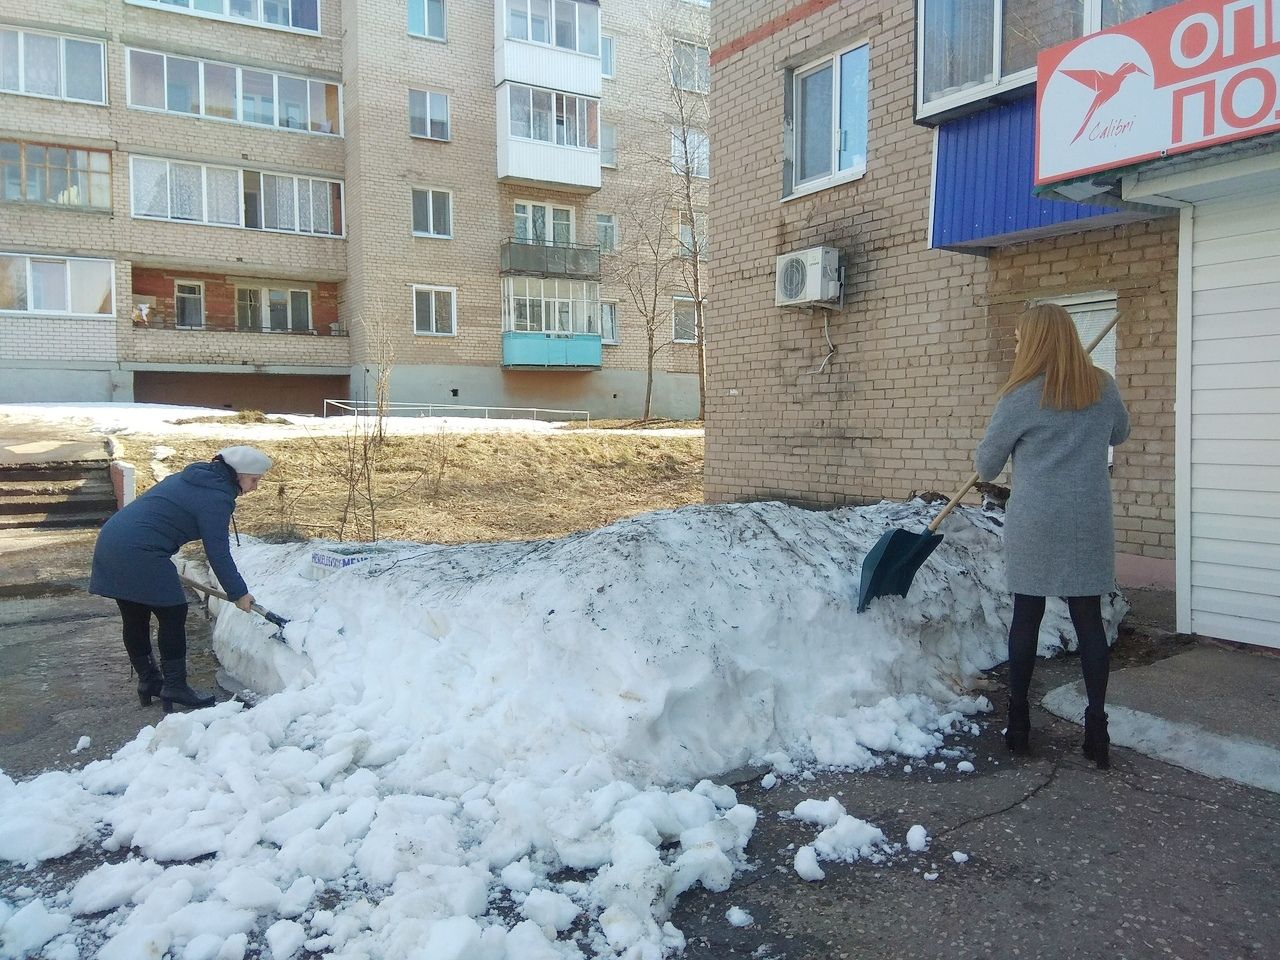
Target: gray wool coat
[(1059, 539)]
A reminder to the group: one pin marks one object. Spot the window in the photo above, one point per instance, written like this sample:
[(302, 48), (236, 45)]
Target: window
[(960, 59), (537, 305), (63, 176), (691, 233), (47, 65), (543, 223), (829, 114), (289, 14), (426, 19), (57, 285), (568, 24), (690, 146), (608, 57), (433, 213), (428, 114), (1091, 312), (231, 197), (609, 321), (188, 304), (222, 91), (608, 144), (684, 321), (607, 232), (273, 310), (690, 67), (554, 117), (434, 311)]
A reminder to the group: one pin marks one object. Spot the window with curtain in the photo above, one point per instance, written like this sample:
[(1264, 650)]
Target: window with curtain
[(429, 115), (60, 175), (684, 321), (434, 311), (433, 213), (57, 285), (188, 302)]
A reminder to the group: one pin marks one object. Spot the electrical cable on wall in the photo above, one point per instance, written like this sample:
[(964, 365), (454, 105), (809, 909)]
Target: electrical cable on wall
[(826, 332)]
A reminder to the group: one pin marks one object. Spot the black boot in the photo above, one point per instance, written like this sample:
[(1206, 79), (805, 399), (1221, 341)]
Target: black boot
[(1097, 745), (149, 679), (176, 690), (1017, 734)]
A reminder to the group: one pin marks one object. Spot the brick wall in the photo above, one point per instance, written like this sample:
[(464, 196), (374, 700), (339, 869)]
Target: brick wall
[(899, 401)]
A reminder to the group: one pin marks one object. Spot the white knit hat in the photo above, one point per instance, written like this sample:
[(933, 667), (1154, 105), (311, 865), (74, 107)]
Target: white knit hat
[(248, 460)]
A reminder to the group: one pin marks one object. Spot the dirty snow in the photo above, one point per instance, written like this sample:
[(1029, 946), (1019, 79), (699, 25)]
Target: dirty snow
[(510, 750)]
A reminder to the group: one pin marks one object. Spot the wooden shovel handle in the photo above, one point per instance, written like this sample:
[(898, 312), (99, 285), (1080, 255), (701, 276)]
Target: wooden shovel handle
[(951, 504), (210, 591)]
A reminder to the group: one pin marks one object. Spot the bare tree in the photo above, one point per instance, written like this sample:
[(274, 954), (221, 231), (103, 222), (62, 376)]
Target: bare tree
[(647, 264)]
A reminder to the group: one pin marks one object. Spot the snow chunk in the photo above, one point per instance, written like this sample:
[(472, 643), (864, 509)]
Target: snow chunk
[(917, 838), (285, 937), (81, 744), (30, 928), (549, 909), (825, 812), (738, 917), (964, 766), (959, 857), (806, 864)]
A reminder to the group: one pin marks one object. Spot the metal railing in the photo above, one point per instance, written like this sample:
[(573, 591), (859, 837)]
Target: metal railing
[(577, 261), (395, 408), (231, 327)]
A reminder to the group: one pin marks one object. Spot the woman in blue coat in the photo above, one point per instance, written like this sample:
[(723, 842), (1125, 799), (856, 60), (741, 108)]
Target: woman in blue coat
[(133, 564), (1056, 417)]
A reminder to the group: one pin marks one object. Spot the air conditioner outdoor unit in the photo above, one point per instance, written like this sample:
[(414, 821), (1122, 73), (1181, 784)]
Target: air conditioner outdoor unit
[(808, 276)]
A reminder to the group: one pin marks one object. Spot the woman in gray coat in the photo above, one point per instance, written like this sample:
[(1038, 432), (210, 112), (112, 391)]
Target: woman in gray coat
[(133, 564), (1056, 417)]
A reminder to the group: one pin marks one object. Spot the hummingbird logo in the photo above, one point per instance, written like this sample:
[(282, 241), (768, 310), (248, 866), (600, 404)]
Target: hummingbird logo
[(1104, 85)]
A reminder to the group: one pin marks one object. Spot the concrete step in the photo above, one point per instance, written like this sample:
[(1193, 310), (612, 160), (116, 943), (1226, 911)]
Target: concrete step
[(72, 503), (45, 487), (61, 471), (49, 521)]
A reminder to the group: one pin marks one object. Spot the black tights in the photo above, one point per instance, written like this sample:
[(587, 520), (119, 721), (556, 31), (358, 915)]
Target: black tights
[(1095, 657), (171, 637)]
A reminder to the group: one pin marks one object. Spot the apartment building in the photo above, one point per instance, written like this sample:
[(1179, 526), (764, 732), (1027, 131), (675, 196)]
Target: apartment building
[(901, 146), (266, 203)]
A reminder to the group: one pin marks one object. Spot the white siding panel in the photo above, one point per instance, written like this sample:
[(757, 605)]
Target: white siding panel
[(1226, 376), (1240, 629), (1240, 426), (1236, 553), (1228, 478), (1236, 502), (1225, 577), (1237, 350), (1205, 303), (1233, 454), (1240, 400)]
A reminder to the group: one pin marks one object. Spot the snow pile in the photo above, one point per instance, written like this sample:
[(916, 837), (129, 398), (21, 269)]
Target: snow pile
[(506, 751)]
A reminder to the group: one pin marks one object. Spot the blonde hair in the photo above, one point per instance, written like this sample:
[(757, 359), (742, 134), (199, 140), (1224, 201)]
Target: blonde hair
[(1049, 344)]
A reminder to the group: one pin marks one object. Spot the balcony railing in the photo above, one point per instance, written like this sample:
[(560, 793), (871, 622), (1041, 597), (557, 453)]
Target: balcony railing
[(219, 325), (551, 351), (570, 261)]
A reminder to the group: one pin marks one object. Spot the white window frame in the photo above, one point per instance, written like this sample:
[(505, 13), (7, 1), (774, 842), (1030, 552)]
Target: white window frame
[(1078, 304), (22, 146), (677, 152), (433, 288), (701, 80), (62, 39), (227, 17), (685, 229), (674, 302), (264, 308), (31, 311), (551, 28), (588, 313), (611, 72), (549, 219), (612, 219), (448, 115), (614, 127), (240, 172), (617, 336), (431, 213), (238, 119), (556, 98), (426, 22), (1091, 23), (799, 188), (178, 313)]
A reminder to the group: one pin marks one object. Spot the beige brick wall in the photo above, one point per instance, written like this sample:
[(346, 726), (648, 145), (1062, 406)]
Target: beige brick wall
[(925, 336)]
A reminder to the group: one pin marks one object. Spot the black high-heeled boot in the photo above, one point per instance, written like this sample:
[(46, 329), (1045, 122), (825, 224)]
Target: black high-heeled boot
[(176, 689), (1017, 732), (1097, 743), (149, 679)]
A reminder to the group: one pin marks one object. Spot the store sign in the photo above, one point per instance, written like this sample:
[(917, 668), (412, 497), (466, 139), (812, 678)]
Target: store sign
[(1186, 77)]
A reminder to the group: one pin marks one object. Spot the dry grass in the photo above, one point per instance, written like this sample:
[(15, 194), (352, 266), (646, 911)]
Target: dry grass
[(240, 416), (461, 488), (654, 424)]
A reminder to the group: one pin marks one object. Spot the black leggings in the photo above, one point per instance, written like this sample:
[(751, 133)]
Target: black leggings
[(171, 637), (1095, 657)]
